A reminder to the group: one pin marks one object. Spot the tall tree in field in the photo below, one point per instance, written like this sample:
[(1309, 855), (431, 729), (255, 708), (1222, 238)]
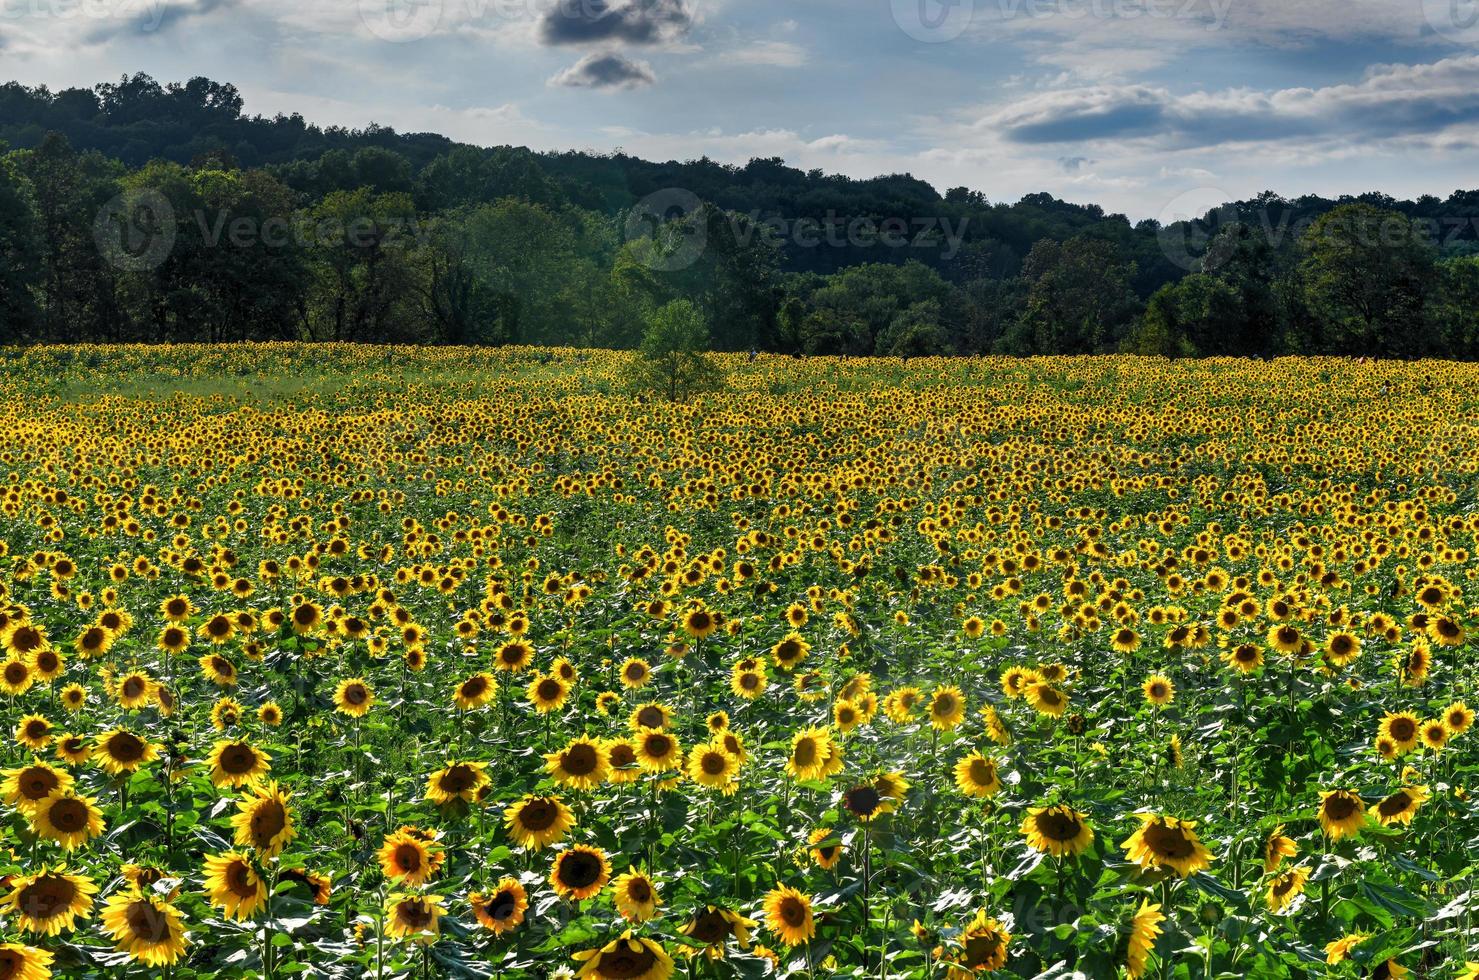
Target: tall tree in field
[(1079, 298), (673, 361), (1367, 273)]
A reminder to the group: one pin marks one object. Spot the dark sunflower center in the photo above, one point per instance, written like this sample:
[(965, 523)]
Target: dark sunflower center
[(69, 816), (268, 820), (147, 922), (1057, 825), (1168, 842), (792, 912), (46, 897), (502, 906), (863, 800), (710, 928), (126, 747), (408, 858), (238, 759), (538, 815), (415, 914), (581, 759), (713, 764), (457, 779), (579, 869), (625, 962), (1394, 804)]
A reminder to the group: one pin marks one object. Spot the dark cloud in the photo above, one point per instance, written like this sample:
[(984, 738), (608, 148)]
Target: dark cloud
[(605, 71), (626, 21), (1391, 101), (157, 17)]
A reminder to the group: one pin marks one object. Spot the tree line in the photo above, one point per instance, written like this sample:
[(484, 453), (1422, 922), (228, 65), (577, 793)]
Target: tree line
[(140, 211)]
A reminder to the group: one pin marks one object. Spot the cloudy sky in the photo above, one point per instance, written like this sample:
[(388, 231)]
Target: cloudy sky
[(1151, 107)]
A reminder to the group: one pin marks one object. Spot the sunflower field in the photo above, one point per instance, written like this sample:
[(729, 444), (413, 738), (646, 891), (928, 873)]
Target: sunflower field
[(372, 662)]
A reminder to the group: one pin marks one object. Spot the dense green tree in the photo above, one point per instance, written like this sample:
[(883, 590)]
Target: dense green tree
[(1079, 298), (672, 361), (20, 269), (1367, 273)]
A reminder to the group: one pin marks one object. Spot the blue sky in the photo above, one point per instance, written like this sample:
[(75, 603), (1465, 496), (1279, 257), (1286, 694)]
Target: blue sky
[(1150, 107)]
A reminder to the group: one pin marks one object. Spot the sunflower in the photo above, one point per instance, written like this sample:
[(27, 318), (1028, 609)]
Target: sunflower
[(650, 715), (621, 760), (1159, 691), (68, 818), (700, 622), (49, 902), (1046, 699), (981, 946), (33, 732), (625, 958), (72, 749), (1276, 847), (119, 751), (320, 885), (237, 764), (233, 886), (714, 925), (824, 847), (19, 962), (501, 910), (354, 697), (580, 764), (899, 704), (536, 822), (513, 656), (475, 692), (147, 927), (1145, 926), (1435, 734), (27, 786), (1245, 658), (579, 872), (1339, 950), (946, 708), (1459, 717), (265, 821), (135, 690), (457, 781), (177, 608), (657, 751), (407, 859), (16, 676), (976, 776), (1400, 807), (748, 683), (790, 651), (635, 673), (173, 640), (1283, 889), (1167, 843), (710, 765), (74, 697), (1342, 812), (811, 749), (306, 617), (547, 693), (414, 917), (1058, 830), (1402, 728), (1285, 638), (270, 714), (788, 915), (636, 896)]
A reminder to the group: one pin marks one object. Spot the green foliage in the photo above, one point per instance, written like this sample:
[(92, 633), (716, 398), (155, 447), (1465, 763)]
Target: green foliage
[(672, 361)]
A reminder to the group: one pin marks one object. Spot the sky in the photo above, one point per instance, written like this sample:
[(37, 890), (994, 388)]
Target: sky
[(1153, 108)]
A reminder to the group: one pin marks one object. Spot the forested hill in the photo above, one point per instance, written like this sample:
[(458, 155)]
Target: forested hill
[(479, 244)]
